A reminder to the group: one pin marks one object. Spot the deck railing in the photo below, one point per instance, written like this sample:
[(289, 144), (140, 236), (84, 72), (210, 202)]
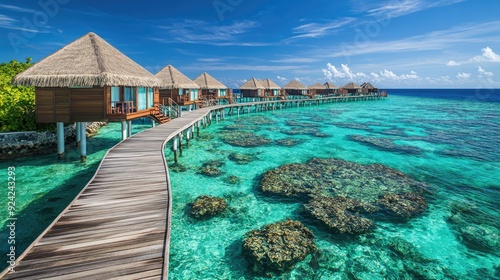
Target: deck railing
[(122, 107)]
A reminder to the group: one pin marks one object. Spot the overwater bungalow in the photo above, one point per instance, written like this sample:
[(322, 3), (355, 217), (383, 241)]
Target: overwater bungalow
[(86, 81), (318, 90), (252, 88), (295, 88), (178, 87), (271, 89), (332, 89), (351, 89), (212, 89), (368, 88)]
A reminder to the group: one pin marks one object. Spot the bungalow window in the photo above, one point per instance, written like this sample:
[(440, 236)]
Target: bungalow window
[(151, 94), (275, 92), (180, 91), (142, 99), (115, 94), (222, 92)]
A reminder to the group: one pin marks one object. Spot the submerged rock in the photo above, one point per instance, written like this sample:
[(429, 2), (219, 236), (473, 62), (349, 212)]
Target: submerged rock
[(233, 180), (341, 214), (335, 177), (385, 144), (312, 131), (289, 142), (207, 206), (244, 139), (177, 167), (277, 247), (405, 205), (478, 230), (211, 168), (241, 158)]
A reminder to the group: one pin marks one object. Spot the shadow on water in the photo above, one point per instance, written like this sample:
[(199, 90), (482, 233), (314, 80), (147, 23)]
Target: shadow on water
[(38, 215)]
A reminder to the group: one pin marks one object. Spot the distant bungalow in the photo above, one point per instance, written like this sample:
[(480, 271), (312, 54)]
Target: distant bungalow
[(252, 88), (178, 87), (351, 89), (332, 89), (294, 88), (86, 81), (317, 90), (368, 88), (212, 88), (271, 89)]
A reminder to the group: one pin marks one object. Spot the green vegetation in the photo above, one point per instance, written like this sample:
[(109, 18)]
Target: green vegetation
[(17, 104)]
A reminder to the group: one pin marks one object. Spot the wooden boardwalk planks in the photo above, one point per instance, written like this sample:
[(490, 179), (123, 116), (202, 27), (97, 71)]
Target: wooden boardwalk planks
[(118, 226)]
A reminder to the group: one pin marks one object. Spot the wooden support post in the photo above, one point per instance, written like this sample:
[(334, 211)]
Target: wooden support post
[(129, 128), (83, 143), (60, 140), (78, 136), (174, 148), (180, 144), (124, 130), (188, 136)]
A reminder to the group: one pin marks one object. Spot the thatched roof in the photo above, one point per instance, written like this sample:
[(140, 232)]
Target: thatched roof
[(330, 85), (252, 84), (87, 61), (171, 78), (268, 84), (367, 85), (205, 81), (294, 84), (318, 86), (351, 86)]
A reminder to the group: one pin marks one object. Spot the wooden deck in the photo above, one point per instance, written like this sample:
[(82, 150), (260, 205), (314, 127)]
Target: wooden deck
[(118, 227)]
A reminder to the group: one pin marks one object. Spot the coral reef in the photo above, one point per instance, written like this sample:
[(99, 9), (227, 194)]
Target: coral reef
[(211, 168), (406, 205), (385, 144), (277, 247), (341, 214), (207, 206), (478, 230), (233, 180), (244, 139), (241, 158), (289, 142)]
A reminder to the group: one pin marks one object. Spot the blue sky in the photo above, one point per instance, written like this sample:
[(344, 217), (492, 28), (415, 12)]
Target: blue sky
[(391, 43)]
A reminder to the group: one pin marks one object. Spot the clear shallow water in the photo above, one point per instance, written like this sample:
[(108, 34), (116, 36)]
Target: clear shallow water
[(46, 185), (457, 152), (448, 143)]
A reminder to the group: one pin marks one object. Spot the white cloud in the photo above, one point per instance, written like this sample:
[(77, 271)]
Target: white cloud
[(453, 63), (344, 73), (315, 30), (375, 75), (463, 75), (281, 79), (392, 76), (487, 55), (397, 8), (202, 32), (483, 72)]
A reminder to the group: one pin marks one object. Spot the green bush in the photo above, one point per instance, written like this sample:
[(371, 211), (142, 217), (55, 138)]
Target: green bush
[(17, 104)]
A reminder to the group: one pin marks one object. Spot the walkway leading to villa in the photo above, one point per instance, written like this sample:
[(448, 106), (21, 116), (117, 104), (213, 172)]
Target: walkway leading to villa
[(118, 227)]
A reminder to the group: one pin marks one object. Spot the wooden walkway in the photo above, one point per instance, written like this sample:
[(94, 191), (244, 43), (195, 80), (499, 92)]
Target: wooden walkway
[(119, 225)]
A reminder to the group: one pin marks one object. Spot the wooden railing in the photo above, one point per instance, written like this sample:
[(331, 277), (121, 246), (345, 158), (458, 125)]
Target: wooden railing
[(170, 108), (122, 107)]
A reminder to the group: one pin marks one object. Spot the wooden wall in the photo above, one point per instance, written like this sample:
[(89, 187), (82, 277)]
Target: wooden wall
[(70, 105)]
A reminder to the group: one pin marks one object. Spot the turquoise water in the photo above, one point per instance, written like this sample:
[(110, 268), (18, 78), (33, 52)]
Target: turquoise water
[(450, 144), (46, 185)]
